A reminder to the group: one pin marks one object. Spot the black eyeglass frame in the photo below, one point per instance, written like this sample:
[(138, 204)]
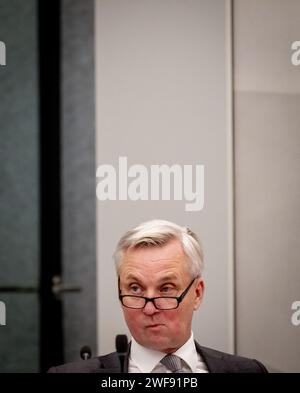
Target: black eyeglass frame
[(152, 299)]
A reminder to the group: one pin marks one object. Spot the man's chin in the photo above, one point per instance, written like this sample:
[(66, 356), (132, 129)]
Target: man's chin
[(161, 345)]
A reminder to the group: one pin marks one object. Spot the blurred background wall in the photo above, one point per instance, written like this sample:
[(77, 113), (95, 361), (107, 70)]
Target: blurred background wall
[(161, 98), (25, 207), (267, 182), (19, 195)]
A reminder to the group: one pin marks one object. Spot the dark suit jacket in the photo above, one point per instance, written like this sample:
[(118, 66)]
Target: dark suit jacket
[(216, 362)]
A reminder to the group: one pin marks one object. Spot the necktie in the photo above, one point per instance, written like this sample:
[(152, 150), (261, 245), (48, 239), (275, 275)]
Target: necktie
[(173, 363)]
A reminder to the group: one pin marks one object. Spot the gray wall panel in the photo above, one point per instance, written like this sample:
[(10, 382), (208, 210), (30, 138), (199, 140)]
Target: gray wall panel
[(162, 99), (19, 154), (19, 185), (78, 174), (267, 137)]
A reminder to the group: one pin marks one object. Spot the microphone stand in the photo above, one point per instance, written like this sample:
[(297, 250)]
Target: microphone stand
[(122, 348)]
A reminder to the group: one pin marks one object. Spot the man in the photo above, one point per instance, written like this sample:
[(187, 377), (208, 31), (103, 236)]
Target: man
[(159, 266)]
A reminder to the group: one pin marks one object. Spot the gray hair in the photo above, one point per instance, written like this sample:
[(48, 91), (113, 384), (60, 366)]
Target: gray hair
[(156, 233)]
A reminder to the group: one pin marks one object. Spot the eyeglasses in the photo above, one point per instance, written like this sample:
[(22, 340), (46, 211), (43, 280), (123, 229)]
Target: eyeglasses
[(161, 303)]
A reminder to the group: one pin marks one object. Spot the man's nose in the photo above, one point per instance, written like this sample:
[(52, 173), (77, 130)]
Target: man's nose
[(149, 308)]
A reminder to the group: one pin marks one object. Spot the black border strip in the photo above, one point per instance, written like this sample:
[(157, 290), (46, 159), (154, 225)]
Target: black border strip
[(49, 40)]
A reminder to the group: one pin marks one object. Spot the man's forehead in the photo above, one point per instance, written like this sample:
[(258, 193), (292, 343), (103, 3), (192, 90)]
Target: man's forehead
[(165, 264), (132, 258)]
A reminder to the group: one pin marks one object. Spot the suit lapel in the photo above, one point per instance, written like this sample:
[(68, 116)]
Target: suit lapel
[(213, 359), (111, 362)]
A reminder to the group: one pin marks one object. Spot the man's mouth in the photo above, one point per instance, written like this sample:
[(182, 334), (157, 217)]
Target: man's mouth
[(154, 325)]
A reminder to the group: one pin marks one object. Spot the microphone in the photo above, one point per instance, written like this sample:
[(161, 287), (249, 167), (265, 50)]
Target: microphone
[(85, 352), (122, 347)]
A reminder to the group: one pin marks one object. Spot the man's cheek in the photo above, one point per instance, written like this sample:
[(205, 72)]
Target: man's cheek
[(131, 318), (173, 320)]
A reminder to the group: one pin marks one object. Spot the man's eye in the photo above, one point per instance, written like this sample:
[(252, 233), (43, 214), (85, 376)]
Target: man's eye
[(135, 289), (167, 289)]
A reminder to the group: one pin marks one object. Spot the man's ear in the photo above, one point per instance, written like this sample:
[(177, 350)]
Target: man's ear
[(199, 293)]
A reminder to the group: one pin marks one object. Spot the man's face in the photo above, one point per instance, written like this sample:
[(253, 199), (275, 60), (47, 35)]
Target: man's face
[(159, 271)]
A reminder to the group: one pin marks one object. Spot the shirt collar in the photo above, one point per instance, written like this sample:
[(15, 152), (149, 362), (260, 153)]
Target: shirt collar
[(188, 353), (146, 359)]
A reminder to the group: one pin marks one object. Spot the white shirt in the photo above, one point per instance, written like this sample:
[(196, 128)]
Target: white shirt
[(145, 360)]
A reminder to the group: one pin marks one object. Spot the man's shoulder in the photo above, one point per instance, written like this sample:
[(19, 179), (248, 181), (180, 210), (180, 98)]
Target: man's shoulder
[(94, 365), (216, 362), (223, 362)]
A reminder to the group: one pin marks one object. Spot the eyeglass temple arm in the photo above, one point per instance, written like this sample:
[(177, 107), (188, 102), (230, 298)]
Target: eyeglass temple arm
[(119, 286)]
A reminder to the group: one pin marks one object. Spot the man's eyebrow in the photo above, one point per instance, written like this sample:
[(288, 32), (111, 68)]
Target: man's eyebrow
[(163, 279), (132, 277), (169, 278)]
